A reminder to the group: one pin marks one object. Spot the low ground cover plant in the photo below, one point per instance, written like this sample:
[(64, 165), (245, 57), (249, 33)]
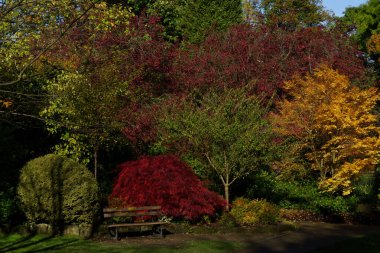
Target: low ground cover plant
[(254, 212)]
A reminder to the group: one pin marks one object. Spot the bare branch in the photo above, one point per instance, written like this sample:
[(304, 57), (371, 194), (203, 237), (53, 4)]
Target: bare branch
[(23, 114), (23, 94), (49, 46), (215, 168)]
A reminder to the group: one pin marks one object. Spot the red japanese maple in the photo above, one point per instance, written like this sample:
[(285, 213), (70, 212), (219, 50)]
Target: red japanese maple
[(166, 181)]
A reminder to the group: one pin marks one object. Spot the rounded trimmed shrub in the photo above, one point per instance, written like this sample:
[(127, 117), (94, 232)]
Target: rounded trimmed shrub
[(168, 182), (254, 212), (57, 190)]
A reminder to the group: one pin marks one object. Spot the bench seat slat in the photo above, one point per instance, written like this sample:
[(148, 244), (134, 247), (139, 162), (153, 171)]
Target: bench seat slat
[(138, 224), (131, 214), (131, 209)]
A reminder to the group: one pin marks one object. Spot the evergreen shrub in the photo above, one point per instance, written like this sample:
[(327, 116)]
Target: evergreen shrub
[(56, 190)]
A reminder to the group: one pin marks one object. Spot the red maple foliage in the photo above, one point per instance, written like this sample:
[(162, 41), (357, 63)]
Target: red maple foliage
[(166, 181), (264, 57)]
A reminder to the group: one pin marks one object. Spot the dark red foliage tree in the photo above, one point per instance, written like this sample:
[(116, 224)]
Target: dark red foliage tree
[(264, 57), (140, 128), (140, 57), (166, 181)]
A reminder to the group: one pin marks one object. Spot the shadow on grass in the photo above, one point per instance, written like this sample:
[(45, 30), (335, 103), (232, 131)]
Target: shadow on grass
[(40, 245), (368, 244), (9, 246), (58, 245)]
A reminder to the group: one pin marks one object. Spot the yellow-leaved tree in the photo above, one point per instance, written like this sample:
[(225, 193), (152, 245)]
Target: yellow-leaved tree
[(332, 126)]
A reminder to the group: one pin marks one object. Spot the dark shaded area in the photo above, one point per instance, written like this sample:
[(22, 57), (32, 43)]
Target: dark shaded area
[(19, 143), (310, 236), (58, 222), (109, 160)]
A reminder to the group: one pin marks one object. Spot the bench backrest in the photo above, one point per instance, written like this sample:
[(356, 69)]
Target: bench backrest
[(132, 211)]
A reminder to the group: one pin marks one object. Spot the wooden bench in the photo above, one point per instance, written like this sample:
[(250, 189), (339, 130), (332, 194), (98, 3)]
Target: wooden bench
[(137, 217)]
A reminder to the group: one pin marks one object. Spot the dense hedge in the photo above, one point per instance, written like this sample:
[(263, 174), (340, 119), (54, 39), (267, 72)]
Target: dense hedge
[(57, 190)]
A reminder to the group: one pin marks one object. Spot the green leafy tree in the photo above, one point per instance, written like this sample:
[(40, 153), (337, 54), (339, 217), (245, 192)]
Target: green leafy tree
[(364, 21), (363, 24), (188, 20), (85, 99), (85, 113), (226, 131), (198, 17), (192, 20), (169, 11), (288, 14)]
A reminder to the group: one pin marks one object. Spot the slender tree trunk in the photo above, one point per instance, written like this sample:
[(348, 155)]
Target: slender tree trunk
[(227, 196), (96, 162)]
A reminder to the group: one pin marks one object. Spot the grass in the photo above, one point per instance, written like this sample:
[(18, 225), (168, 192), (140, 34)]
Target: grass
[(365, 244), (69, 244)]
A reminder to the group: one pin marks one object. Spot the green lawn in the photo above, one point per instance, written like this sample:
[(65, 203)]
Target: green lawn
[(363, 244), (42, 243)]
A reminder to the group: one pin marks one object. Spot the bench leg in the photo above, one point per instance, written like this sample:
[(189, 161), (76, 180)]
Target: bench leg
[(114, 233), (158, 229)]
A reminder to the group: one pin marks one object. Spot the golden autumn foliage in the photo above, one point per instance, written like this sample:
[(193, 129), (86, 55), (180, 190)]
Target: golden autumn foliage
[(373, 43), (332, 123), (373, 46)]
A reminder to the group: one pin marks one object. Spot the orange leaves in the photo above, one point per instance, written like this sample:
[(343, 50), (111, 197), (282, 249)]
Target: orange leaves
[(333, 123)]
